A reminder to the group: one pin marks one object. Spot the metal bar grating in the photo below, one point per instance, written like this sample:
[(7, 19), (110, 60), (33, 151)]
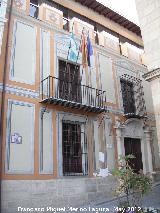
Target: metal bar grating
[(67, 90), (74, 149), (133, 96)]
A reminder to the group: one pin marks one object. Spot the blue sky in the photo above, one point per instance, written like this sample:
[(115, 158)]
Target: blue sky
[(126, 8)]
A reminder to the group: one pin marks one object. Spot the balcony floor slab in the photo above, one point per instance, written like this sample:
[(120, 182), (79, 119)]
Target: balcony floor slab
[(75, 105)]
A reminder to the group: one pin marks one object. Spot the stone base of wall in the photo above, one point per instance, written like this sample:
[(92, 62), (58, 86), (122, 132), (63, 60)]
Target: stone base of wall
[(55, 193), (156, 177)]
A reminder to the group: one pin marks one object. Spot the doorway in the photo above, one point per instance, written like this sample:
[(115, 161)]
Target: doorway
[(69, 82), (133, 146)]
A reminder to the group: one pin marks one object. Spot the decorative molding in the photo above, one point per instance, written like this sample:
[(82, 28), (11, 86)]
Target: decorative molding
[(115, 111), (60, 117), (54, 16), (108, 121), (41, 169), (130, 65), (3, 11), (151, 117), (19, 91), (37, 22), (2, 20), (147, 130), (62, 45), (152, 75), (20, 4), (108, 51), (133, 128), (125, 68), (8, 135), (44, 45), (13, 50), (119, 125), (125, 64)]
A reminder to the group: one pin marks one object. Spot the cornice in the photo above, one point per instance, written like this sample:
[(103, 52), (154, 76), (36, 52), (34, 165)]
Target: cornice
[(152, 75), (118, 59), (19, 91), (37, 22)]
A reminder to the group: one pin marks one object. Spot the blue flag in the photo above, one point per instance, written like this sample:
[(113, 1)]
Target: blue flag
[(89, 51)]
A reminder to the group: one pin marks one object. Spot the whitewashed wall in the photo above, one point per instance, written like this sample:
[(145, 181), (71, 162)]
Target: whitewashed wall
[(45, 54), (46, 142), (155, 148), (148, 96), (1, 34), (96, 145), (109, 144), (20, 120), (23, 55), (106, 76), (2, 19)]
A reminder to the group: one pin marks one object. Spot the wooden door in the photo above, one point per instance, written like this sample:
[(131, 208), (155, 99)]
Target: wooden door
[(69, 81), (133, 146)]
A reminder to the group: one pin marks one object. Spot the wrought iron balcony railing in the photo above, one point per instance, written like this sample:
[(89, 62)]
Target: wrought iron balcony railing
[(73, 95), (133, 97)]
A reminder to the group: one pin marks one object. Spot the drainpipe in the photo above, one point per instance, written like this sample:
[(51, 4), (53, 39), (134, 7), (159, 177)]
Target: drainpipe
[(3, 92)]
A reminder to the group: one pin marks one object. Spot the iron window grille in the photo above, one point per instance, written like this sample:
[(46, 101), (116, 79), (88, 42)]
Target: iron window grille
[(74, 149), (132, 96)]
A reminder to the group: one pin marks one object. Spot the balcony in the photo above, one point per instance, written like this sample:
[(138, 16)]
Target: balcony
[(133, 97), (72, 95)]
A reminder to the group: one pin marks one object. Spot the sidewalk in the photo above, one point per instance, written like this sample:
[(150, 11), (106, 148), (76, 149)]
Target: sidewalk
[(151, 200)]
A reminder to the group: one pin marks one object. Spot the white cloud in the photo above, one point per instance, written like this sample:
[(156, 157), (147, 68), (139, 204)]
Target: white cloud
[(127, 8)]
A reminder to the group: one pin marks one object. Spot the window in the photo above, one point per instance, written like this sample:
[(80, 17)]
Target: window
[(127, 89), (69, 81), (74, 148), (34, 8)]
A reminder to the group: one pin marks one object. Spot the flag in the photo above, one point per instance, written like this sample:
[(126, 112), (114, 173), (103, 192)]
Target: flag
[(84, 50), (73, 49), (89, 51)]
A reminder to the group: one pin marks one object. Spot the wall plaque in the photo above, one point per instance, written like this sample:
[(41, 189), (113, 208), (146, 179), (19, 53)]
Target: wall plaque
[(16, 138)]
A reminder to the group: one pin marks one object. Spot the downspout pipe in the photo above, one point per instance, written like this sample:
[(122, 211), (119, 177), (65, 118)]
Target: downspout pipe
[(3, 91)]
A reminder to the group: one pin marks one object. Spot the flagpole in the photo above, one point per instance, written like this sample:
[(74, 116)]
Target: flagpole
[(79, 51), (89, 62)]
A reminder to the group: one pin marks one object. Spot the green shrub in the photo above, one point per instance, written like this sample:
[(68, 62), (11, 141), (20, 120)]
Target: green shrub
[(131, 184)]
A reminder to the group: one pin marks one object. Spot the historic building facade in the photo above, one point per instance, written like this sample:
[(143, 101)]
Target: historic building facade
[(149, 21), (65, 126), (3, 6)]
